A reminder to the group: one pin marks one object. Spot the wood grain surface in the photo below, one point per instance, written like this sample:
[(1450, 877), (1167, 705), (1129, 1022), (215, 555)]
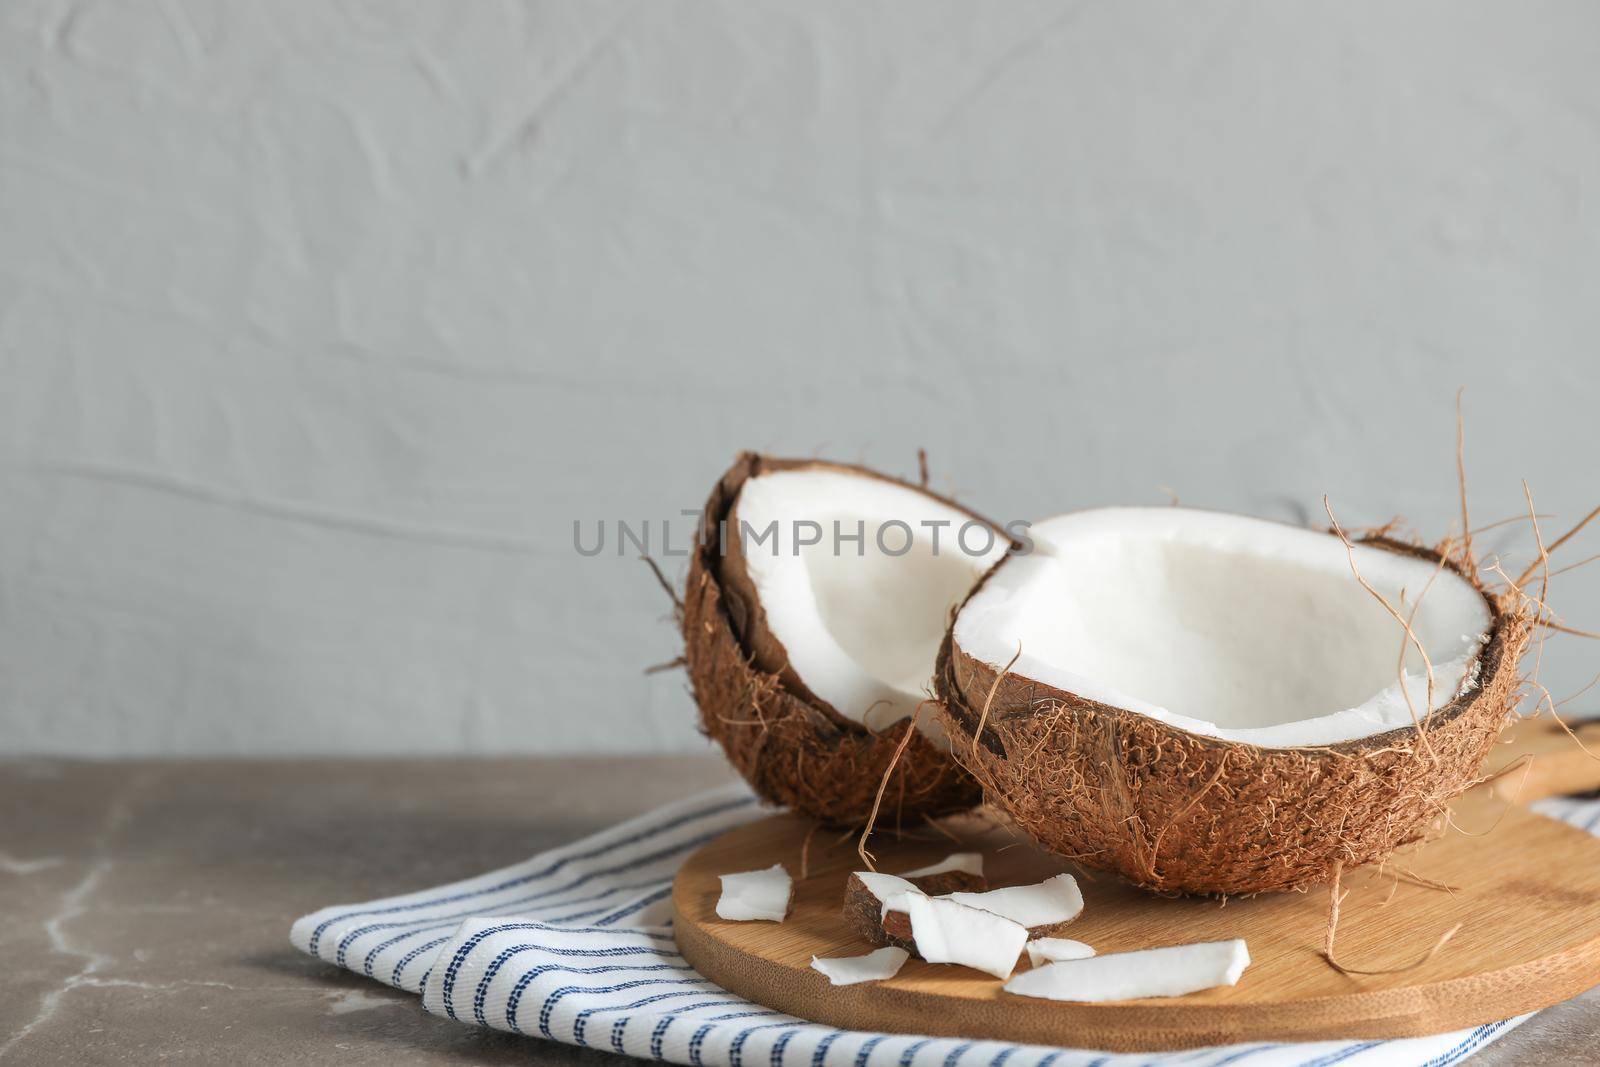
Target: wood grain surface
[(1525, 889)]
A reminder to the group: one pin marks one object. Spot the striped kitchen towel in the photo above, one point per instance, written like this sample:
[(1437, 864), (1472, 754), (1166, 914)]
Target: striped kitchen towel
[(575, 945)]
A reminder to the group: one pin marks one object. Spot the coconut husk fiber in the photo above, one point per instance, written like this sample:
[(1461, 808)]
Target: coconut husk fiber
[(1175, 811), (793, 749)]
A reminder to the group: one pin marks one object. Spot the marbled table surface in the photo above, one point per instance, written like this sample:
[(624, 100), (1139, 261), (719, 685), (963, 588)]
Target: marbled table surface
[(145, 906)]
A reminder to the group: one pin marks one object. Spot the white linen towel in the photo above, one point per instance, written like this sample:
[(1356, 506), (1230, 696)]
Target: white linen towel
[(575, 945)]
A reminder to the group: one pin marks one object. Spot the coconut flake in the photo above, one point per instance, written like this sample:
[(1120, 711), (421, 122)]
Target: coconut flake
[(946, 931), (885, 886), (1042, 950), (1152, 972), (756, 895), (1050, 903), (867, 895), (900, 901), (873, 967), (965, 862)]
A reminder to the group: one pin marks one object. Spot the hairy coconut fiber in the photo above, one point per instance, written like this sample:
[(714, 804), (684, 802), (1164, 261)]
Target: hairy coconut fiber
[(1175, 811), (793, 749)]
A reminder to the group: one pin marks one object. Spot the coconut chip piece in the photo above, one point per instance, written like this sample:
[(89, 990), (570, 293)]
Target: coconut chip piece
[(873, 967), (1042, 950), (865, 896), (1041, 908), (963, 862), (946, 931), (756, 895), (1151, 972), (895, 923), (868, 893), (945, 882), (881, 887)]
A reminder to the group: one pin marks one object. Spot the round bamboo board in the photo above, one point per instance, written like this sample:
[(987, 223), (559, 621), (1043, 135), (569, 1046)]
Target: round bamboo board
[(1526, 891)]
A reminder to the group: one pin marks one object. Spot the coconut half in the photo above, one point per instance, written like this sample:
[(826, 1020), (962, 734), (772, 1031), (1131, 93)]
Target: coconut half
[(1214, 703), (847, 584), (815, 608)]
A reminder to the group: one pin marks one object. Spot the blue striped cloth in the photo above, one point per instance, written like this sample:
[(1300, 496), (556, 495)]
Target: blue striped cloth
[(575, 945)]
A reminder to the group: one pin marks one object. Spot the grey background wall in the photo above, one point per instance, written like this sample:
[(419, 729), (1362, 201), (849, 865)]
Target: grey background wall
[(321, 324)]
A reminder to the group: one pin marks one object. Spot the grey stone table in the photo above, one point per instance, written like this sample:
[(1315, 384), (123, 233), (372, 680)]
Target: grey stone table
[(145, 906)]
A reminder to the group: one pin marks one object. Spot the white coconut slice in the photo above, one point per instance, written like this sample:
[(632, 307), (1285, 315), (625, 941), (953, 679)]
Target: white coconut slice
[(946, 931), (1152, 972), (965, 862), (868, 897), (1042, 950), (756, 895), (873, 967), (1050, 903), (1228, 626), (860, 621), (885, 886)]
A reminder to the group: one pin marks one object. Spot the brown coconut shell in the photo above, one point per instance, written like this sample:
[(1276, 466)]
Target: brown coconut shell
[(1175, 811), (794, 749)]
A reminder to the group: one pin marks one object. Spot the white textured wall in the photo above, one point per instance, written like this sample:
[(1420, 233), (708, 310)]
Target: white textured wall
[(319, 324)]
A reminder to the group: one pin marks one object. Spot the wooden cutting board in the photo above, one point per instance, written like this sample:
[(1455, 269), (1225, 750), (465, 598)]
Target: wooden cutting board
[(1525, 887)]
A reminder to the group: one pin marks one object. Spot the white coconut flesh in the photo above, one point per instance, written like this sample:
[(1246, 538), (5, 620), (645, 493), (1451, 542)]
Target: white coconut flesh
[(1043, 950), (964, 862), (1172, 971), (885, 887), (756, 896), (946, 931), (1051, 902), (1232, 627), (872, 967), (861, 621)]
